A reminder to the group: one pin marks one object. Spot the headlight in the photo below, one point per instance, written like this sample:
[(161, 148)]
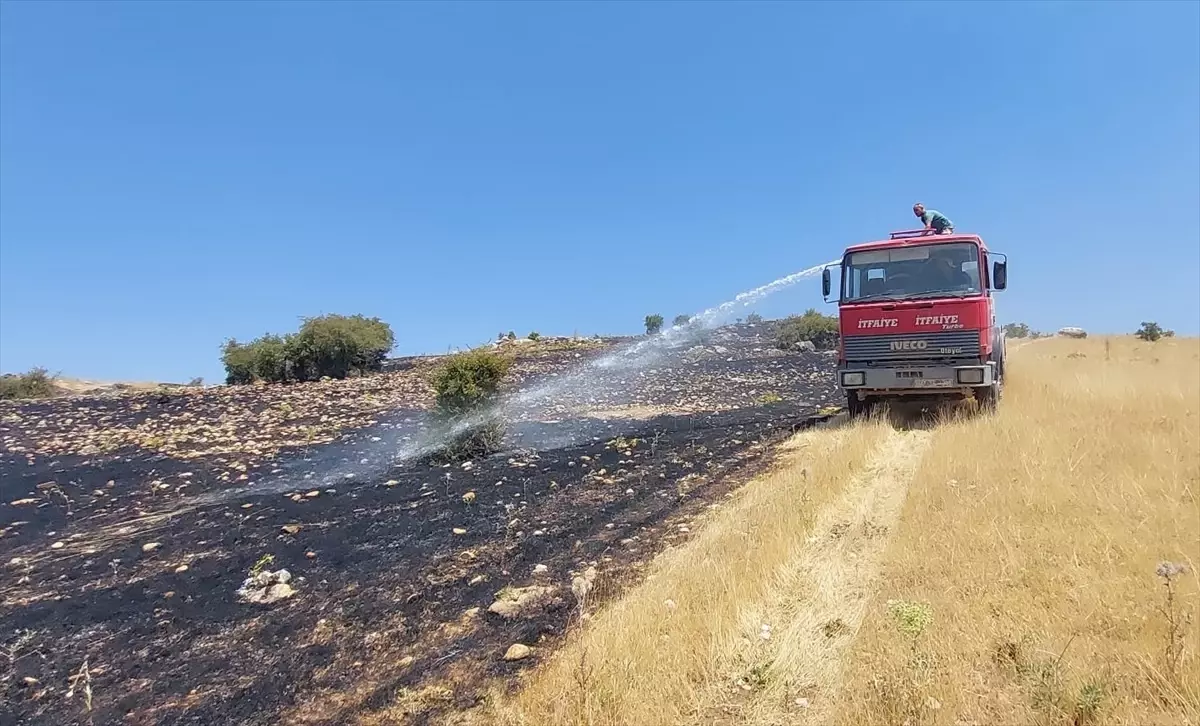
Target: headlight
[(970, 375), (854, 379)]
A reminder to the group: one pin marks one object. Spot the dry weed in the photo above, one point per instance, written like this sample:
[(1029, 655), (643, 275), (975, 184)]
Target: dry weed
[(1036, 537), (648, 657)]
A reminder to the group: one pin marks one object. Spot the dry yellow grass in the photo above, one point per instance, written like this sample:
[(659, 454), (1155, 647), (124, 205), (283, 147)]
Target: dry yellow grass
[(647, 658), (1033, 538), (1029, 539)]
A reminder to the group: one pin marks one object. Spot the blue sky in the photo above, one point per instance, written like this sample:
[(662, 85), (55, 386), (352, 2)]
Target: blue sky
[(174, 174)]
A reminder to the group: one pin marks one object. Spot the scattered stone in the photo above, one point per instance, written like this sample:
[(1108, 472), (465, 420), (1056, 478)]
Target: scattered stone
[(247, 505), (540, 569), (459, 530), (669, 604), (517, 651), (267, 587), (468, 497), (476, 580), (181, 569), (311, 555), (24, 502), (57, 546), (290, 528), (406, 661), (313, 494), (802, 702), (30, 681), (392, 483), (515, 602), (150, 546)]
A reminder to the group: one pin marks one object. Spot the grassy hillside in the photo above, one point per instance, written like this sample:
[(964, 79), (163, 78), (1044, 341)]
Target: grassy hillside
[(1033, 567)]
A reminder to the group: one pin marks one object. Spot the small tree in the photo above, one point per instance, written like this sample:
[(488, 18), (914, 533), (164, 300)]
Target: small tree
[(535, 335), (812, 326), (681, 320), (331, 345), (1018, 330), (1150, 332), (754, 319), (654, 324)]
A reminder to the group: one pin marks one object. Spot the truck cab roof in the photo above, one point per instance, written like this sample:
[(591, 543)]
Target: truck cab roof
[(915, 238)]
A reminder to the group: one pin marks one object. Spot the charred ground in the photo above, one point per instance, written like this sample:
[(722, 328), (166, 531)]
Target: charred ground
[(128, 523)]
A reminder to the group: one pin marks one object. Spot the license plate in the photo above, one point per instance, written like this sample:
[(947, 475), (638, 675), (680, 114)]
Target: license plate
[(932, 383)]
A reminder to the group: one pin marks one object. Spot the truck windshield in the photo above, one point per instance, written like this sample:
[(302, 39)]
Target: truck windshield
[(933, 270)]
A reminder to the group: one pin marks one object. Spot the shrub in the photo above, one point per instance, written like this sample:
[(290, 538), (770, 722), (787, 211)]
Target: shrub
[(820, 330), (36, 383), (339, 346), (468, 381), (1151, 332), (336, 346), (535, 335), (465, 386), (654, 324), (1018, 330), (681, 320), (754, 319)]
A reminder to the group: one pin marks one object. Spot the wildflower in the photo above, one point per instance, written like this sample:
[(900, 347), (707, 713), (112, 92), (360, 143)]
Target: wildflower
[(1170, 569)]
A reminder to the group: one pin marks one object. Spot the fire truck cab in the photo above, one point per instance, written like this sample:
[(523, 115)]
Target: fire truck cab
[(918, 321)]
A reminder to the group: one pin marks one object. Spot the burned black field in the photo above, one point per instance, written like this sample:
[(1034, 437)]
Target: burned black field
[(128, 525)]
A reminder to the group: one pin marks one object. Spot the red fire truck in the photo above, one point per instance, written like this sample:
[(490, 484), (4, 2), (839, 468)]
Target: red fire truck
[(918, 322)]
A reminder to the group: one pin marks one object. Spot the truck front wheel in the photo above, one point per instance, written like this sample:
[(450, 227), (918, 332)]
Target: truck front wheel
[(857, 408), (988, 397)]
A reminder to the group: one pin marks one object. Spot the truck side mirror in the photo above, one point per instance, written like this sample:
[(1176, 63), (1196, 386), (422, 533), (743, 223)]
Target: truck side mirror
[(826, 284), (999, 274)]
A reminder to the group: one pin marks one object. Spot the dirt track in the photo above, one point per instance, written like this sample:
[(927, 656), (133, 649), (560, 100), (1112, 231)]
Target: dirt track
[(129, 559)]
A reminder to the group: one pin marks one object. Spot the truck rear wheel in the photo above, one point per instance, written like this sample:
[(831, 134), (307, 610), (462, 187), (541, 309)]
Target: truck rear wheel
[(857, 408)]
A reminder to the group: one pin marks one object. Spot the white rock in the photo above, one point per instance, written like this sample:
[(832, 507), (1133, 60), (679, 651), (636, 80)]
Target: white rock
[(517, 651)]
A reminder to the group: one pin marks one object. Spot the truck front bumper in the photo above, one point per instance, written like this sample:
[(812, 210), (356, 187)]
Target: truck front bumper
[(916, 380)]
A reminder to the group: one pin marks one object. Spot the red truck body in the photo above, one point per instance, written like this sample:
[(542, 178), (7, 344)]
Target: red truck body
[(917, 319)]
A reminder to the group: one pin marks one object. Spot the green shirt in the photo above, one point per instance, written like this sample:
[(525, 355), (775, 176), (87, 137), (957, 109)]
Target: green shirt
[(936, 219)]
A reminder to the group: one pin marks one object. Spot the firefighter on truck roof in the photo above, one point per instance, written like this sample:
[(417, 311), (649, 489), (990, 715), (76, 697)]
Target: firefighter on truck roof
[(935, 222)]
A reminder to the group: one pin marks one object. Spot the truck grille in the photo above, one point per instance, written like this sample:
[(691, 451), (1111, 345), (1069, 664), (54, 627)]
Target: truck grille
[(912, 346)]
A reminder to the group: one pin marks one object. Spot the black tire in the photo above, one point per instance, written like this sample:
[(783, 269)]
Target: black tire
[(857, 408), (988, 397)]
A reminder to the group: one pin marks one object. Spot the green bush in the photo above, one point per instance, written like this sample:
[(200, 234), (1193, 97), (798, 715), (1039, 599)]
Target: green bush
[(468, 381), (681, 320), (36, 383), (820, 330), (654, 324), (1018, 330), (535, 335), (1151, 332), (754, 318), (465, 386), (336, 346)]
